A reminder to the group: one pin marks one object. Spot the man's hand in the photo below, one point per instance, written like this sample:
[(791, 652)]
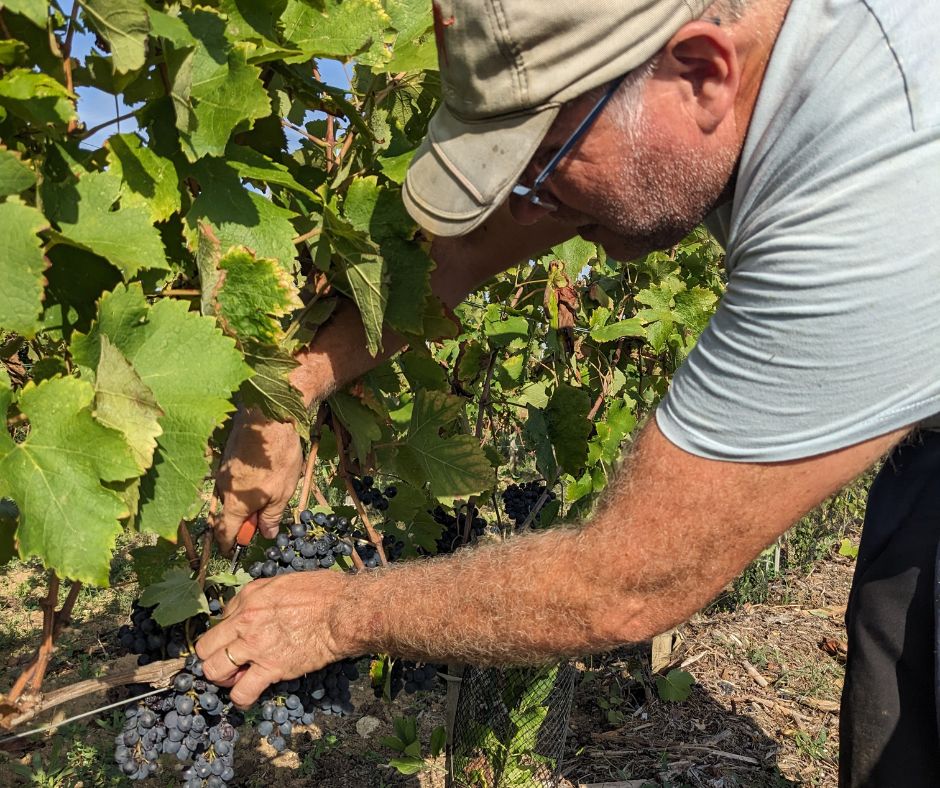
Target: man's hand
[(260, 467), (274, 629)]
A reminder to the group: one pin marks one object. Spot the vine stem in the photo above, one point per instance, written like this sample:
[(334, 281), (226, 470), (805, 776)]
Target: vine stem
[(308, 483), (67, 59), (95, 129), (344, 472), (184, 293), (35, 671), (187, 539), (156, 674), (207, 539), (307, 236)]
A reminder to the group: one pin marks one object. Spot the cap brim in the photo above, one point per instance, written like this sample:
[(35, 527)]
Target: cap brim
[(463, 171)]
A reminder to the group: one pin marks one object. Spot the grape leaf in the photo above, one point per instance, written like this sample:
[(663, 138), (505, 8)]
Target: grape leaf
[(149, 179), (409, 288), (536, 434), (568, 426), (611, 432), (251, 295), (6, 392), (151, 561), (253, 20), (238, 216), (21, 268), (359, 420), (633, 327), (192, 370), (341, 29), (177, 596), (67, 517), (125, 404), (125, 25), (675, 686), (126, 238), (36, 98), (229, 101), (501, 331), (14, 175), (269, 388), (575, 253), (215, 91), (36, 11), (452, 465)]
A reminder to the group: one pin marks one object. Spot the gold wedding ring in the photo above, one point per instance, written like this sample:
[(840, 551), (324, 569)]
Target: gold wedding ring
[(231, 658)]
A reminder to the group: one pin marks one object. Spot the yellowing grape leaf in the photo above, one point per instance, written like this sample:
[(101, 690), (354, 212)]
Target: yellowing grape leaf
[(252, 295)]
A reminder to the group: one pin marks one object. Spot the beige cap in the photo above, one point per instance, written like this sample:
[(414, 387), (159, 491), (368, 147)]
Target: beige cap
[(507, 66)]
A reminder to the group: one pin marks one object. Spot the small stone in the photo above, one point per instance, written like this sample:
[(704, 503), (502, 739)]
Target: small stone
[(366, 726)]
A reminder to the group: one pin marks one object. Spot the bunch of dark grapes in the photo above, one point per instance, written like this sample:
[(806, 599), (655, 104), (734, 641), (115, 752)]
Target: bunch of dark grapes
[(452, 536), (193, 723), (144, 636), (370, 495), (410, 677), (333, 523), (368, 554), (300, 550), (393, 546), (288, 703), (520, 499)]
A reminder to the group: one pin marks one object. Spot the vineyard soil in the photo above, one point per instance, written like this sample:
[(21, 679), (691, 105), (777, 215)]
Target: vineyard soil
[(731, 732)]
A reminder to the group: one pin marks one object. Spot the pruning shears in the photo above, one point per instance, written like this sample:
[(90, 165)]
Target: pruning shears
[(245, 534)]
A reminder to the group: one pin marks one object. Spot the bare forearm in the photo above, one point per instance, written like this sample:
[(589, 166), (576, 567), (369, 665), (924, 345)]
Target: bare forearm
[(338, 354), (671, 534)]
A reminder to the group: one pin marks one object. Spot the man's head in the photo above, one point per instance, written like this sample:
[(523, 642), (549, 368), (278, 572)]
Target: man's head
[(652, 163)]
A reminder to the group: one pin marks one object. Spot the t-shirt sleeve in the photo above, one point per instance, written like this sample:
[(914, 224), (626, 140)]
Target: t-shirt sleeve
[(829, 331)]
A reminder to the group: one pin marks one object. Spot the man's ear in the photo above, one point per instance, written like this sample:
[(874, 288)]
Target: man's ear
[(702, 61)]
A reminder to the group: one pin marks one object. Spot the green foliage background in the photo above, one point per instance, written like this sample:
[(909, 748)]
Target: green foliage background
[(154, 283)]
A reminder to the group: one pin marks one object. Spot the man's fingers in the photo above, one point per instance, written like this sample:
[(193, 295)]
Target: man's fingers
[(215, 640), (228, 523), (269, 519), (250, 685)]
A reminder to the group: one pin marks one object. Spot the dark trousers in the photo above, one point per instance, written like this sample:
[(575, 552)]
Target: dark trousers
[(889, 727)]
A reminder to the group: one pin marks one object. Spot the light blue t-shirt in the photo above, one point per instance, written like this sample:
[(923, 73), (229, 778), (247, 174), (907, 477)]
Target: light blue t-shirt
[(829, 333)]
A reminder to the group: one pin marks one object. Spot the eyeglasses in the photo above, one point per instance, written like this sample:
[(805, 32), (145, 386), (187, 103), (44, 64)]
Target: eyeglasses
[(531, 193)]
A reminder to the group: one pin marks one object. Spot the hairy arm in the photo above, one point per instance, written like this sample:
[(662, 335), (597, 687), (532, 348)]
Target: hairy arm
[(673, 530), (263, 459)]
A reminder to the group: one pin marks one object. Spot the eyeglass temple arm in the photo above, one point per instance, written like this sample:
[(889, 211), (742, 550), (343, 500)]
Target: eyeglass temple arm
[(576, 134)]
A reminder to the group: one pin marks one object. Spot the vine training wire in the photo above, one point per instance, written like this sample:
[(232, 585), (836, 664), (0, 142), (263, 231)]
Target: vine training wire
[(54, 725)]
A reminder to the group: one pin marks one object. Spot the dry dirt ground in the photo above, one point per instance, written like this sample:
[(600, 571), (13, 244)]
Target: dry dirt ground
[(763, 710)]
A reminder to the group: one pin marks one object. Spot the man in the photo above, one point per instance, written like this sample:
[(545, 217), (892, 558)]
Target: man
[(809, 130)]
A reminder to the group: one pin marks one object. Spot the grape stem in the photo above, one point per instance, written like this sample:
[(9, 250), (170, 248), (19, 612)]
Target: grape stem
[(308, 483), (186, 538), (344, 472), (539, 503)]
